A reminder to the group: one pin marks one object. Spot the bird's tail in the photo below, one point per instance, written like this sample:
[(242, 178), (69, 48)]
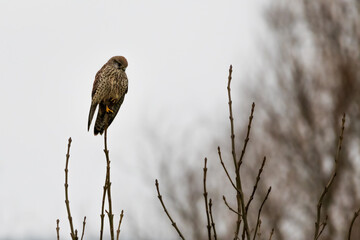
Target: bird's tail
[(101, 120), (91, 114)]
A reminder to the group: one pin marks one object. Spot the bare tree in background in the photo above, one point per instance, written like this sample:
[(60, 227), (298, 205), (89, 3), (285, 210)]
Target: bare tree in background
[(309, 79), (314, 77)]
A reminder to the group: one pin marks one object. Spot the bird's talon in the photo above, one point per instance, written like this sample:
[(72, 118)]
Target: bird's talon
[(109, 110)]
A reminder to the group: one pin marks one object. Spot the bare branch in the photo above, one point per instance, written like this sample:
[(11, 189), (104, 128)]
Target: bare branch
[(240, 194), (258, 217), (232, 135), (206, 202), (102, 215), (356, 214), (67, 202), (256, 184), (247, 135), (118, 230), (259, 231), (83, 228), (326, 189), (238, 184), (226, 171), (271, 234), (322, 226), (231, 209), (108, 186), (231, 118), (165, 210), (212, 220), (57, 229)]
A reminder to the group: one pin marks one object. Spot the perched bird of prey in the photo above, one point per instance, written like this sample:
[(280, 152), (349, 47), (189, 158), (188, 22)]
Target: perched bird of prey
[(109, 89)]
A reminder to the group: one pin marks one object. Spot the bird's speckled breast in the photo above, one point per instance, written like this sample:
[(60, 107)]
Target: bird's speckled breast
[(119, 85), (117, 82)]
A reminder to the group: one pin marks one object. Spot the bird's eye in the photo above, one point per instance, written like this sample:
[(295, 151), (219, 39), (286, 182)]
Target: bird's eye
[(118, 65)]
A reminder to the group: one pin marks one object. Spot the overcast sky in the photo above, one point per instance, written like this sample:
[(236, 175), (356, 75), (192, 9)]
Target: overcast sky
[(178, 53)]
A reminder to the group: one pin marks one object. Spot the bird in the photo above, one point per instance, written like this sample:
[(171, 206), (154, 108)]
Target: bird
[(108, 92)]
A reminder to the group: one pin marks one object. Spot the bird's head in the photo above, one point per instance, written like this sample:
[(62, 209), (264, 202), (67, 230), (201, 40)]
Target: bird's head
[(119, 62)]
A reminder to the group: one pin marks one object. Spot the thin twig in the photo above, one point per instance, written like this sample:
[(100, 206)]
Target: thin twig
[(108, 186), (356, 214), (322, 226), (247, 134), (230, 208), (328, 185), (256, 184), (57, 229), (212, 220), (67, 202), (206, 202), (240, 194), (83, 228), (226, 171), (102, 215), (165, 210), (231, 118), (118, 230), (271, 234), (258, 217), (246, 226)]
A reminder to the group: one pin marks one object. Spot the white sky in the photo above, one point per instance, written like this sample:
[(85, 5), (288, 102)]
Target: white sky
[(178, 53)]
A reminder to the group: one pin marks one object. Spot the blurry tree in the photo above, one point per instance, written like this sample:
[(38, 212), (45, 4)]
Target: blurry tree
[(313, 77)]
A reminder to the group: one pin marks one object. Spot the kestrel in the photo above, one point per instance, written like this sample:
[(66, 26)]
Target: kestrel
[(109, 89)]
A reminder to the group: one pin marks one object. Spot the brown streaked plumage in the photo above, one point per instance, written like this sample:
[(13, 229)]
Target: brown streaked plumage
[(109, 89)]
